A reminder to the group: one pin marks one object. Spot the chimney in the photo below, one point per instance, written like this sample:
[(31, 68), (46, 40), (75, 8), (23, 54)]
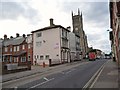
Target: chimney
[(51, 22), (69, 28), (17, 34), (5, 37), (11, 37), (24, 35)]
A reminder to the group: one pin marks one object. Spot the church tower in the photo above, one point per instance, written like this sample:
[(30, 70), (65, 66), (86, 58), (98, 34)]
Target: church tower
[(77, 22)]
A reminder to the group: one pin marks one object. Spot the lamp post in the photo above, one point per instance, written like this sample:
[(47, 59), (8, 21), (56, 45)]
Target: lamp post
[(111, 38), (1, 56), (0, 50)]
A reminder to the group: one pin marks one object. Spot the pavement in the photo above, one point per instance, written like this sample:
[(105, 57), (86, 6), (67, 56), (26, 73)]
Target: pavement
[(107, 78)]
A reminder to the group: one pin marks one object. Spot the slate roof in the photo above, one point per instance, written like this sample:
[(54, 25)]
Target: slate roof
[(50, 27), (14, 41)]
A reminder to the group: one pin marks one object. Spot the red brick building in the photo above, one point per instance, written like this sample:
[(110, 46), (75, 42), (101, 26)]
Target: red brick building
[(16, 52), (115, 26)]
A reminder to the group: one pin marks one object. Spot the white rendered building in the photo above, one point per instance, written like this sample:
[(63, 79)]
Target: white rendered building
[(51, 45)]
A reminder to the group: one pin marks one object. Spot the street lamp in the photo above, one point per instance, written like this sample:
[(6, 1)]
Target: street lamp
[(1, 47), (111, 38)]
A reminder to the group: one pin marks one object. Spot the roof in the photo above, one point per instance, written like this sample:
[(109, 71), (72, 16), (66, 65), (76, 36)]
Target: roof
[(14, 41), (49, 27), (20, 53)]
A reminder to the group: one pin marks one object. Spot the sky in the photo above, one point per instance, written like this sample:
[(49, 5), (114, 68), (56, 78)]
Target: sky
[(24, 16)]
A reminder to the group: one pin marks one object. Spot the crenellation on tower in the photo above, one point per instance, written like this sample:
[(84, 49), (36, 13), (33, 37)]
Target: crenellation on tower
[(77, 22)]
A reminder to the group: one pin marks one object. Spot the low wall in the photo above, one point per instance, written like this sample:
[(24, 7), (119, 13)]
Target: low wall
[(6, 69)]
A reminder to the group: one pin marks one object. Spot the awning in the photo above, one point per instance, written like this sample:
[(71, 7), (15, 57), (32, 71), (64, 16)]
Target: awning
[(20, 53)]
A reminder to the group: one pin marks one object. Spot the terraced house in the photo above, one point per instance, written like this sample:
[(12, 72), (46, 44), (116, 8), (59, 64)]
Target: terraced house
[(15, 53)]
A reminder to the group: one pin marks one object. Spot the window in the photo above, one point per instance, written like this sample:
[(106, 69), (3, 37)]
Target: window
[(41, 57), (29, 46), (47, 57), (11, 49), (38, 43), (38, 34), (62, 33), (6, 49), (5, 59), (17, 48), (35, 57), (66, 33), (14, 48), (23, 59), (23, 46), (64, 43), (15, 59), (10, 59), (29, 57)]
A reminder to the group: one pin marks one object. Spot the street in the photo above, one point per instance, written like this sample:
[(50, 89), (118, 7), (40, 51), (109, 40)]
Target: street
[(75, 77)]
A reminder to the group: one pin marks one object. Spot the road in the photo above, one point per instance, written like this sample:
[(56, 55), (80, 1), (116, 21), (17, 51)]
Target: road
[(76, 77)]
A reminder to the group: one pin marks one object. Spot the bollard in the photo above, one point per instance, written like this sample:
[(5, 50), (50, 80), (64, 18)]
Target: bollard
[(49, 62), (44, 64)]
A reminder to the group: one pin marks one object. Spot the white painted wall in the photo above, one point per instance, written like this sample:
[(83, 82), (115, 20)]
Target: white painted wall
[(50, 47), (72, 44), (29, 39)]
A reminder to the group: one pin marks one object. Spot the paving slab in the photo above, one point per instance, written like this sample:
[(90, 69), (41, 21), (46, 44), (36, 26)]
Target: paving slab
[(108, 77)]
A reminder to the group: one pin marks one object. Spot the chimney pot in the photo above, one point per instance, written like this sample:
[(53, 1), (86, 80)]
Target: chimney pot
[(51, 22), (11, 37), (69, 28), (24, 35), (5, 37), (17, 34)]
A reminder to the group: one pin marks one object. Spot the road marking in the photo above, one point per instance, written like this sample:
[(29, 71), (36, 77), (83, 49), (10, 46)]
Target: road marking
[(96, 78), (41, 83), (68, 72), (46, 79), (88, 85)]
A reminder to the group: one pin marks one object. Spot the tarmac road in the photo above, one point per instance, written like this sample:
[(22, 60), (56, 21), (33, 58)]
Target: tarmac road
[(76, 77)]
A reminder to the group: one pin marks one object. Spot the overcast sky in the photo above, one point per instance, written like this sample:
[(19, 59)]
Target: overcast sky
[(24, 16)]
